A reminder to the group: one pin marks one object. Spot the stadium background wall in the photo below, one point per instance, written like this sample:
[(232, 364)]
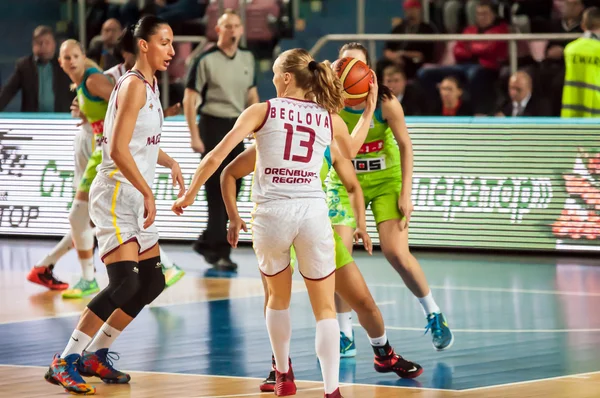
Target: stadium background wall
[(485, 183)]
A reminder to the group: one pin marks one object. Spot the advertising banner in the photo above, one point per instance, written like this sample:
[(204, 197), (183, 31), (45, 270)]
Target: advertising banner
[(478, 183)]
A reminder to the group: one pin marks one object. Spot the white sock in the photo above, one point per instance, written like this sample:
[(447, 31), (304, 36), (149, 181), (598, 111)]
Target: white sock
[(429, 305), (104, 338), (327, 345), (279, 326), (379, 341), (87, 268), (77, 343), (345, 321), (165, 260), (61, 248)]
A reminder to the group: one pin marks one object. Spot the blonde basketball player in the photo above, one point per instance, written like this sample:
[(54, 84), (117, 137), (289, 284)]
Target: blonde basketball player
[(122, 208), (292, 133)]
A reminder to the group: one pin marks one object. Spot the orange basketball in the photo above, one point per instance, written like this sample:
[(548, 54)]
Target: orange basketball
[(355, 76)]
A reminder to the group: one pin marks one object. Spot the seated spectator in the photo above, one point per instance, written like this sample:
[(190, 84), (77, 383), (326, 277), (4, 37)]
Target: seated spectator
[(43, 84), (102, 49), (478, 61), (452, 101), (521, 100), (410, 55), (581, 93), (408, 93)]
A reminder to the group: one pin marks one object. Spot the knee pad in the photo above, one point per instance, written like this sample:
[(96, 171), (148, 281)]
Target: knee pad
[(123, 284), (153, 278), (79, 218), (152, 283)]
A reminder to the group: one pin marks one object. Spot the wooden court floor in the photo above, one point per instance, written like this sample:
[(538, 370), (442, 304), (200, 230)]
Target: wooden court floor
[(524, 327)]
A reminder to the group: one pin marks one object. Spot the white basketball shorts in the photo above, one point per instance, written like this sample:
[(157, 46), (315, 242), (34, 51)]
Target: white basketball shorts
[(117, 210), (304, 223)]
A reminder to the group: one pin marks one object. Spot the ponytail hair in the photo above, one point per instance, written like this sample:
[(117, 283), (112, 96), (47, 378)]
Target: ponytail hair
[(383, 92), (317, 78), (126, 43)]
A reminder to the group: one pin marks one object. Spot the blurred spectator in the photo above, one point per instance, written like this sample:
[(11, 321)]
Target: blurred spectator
[(102, 47), (581, 93), (522, 101), (478, 61), (43, 84), (408, 93), (410, 55), (570, 22), (552, 68), (452, 102)]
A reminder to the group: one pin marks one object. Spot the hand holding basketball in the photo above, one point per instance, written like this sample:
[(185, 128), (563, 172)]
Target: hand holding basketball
[(373, 92), (355, 76)]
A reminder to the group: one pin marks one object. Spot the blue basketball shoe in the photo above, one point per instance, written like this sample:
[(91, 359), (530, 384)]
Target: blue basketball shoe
[(442, 337)]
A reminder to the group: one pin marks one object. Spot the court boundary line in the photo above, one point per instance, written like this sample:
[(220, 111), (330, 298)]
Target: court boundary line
[(516, 383), (514, 331), (495, 289), (252, 378)]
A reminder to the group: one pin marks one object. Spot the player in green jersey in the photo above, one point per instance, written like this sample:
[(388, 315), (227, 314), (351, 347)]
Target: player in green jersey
[(349, 282), (384, 169)]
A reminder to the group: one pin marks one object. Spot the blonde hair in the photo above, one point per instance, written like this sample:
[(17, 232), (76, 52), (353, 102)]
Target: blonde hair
[(89, 63), (317, 78)]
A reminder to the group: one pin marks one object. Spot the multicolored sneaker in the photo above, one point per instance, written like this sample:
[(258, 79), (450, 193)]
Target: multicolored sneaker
[(268, 384), (82, 289), (347, 346), (442, 337), (63, 372), (386, 361), (172, 275), (284, 384), (335, 394), (100, 364), (45, 277)]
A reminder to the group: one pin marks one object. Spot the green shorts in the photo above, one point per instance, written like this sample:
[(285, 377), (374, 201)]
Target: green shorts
[(342, 255), (90, 171), (381, 190)]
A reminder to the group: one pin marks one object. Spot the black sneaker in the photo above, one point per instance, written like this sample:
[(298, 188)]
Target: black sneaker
[(209, 254), (225, 264), (268, 384)]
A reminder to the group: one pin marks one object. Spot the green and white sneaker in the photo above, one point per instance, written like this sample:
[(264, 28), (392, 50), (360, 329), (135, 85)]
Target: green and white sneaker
[(82, 289), (172, 275)]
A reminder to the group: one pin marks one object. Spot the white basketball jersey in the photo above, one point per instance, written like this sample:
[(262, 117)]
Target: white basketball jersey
[(116, 72), (290, 146), (145, 141)]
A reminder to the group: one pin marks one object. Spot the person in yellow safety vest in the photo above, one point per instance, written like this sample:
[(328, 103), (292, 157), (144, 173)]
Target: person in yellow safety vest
[(581, 92)]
